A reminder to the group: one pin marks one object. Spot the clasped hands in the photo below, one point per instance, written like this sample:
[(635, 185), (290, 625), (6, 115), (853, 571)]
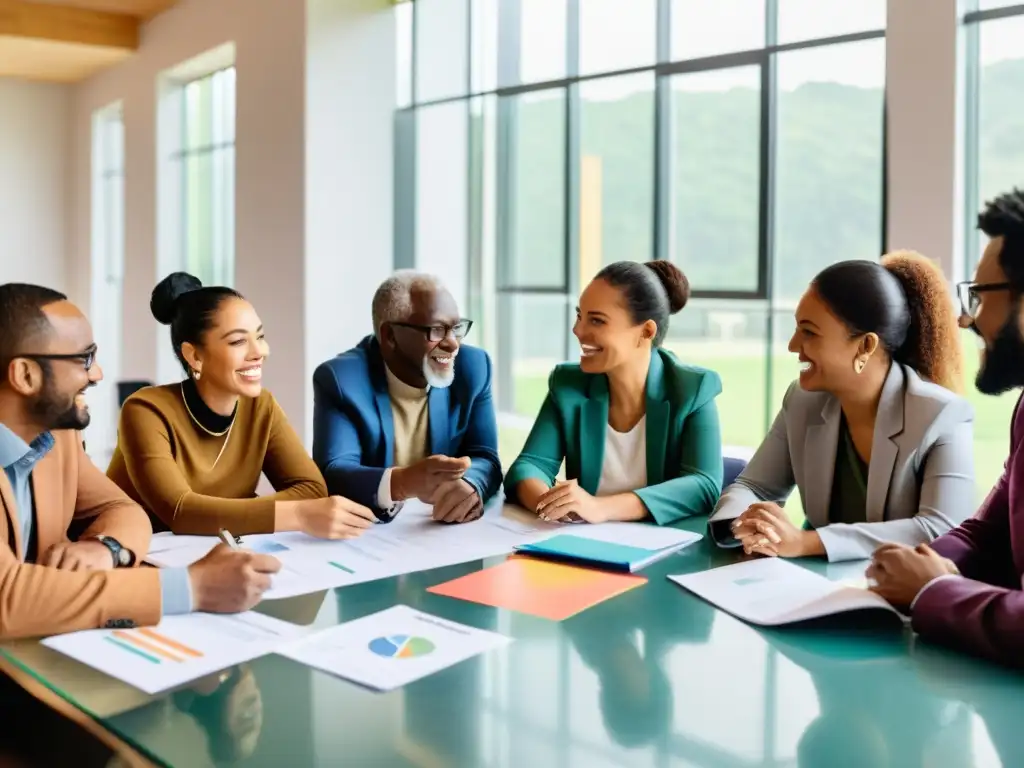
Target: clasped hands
[(567, 502), (764, 529), (901, 572), (438, 480)]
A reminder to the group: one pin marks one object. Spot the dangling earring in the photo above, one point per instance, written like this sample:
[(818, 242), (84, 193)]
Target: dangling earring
[(197, 375), (858, 366)]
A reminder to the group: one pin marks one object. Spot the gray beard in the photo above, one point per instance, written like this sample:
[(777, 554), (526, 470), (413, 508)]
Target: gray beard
[(435, 379)]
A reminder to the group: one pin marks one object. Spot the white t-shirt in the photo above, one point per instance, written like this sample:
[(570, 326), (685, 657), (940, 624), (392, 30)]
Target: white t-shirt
[(625, 460)]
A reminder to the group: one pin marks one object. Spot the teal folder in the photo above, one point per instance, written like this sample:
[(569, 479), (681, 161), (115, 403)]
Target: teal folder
[(601, 554)]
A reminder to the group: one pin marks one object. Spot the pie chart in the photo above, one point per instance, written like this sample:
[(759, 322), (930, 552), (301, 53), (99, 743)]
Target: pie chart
[(401, 646)]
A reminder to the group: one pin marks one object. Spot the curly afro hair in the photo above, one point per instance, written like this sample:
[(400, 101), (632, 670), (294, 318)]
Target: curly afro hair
[(932, 347)]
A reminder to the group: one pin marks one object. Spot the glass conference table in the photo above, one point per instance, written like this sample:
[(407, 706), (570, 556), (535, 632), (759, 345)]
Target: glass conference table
[(653, 677)]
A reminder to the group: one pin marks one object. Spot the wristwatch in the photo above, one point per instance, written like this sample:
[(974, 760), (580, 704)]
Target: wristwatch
[(387, 514), (122, 557)]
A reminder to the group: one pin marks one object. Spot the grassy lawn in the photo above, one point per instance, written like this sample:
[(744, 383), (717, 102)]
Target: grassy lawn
[(745, 407)]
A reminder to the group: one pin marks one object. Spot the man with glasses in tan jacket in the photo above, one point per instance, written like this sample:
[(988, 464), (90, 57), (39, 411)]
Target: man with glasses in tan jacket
[(49, 584)]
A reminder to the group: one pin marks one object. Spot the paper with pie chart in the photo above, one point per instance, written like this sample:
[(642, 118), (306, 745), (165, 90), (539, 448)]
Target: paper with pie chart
[(392, 648)]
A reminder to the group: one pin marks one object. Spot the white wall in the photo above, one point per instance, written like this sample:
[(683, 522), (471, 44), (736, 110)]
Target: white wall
[(313, 232), (350, 101), (269, 37), (34, 190), (923, 110)]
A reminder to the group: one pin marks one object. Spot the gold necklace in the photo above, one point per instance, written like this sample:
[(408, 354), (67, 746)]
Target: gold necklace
[(197, 422)]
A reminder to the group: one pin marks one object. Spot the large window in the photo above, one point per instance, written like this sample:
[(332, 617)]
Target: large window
[(742, 139), (205, 161), (107, 273), (994, 64)]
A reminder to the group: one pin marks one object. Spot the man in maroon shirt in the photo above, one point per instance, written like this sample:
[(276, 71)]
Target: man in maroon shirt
[(965, 591)]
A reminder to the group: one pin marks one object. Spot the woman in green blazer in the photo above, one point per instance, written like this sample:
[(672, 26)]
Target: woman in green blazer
[(638, 429)]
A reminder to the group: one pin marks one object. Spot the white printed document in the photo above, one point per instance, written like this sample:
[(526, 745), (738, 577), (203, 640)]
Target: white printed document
[(299, 574), (414, 541), (392, 648), (770, 591), (178, 650)]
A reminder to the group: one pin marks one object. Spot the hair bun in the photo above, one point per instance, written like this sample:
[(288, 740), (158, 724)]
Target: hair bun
[(677, 287), (164, 298)]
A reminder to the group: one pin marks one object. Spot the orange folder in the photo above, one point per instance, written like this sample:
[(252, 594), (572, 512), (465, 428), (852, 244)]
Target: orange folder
[(539, 587)]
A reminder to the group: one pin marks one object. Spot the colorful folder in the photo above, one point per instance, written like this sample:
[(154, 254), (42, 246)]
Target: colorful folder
[(568, 548)]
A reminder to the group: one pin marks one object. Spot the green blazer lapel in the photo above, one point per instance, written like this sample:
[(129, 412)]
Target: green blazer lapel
[(592, 426), (658, 412)]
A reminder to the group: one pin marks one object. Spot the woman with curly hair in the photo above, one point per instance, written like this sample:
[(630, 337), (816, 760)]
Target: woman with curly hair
[(874, 433)]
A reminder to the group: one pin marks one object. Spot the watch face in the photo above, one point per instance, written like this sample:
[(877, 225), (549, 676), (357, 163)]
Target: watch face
[(122, 557)]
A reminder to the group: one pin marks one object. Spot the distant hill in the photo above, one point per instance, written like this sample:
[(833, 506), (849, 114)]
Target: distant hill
[(828, 181), (1001, 128), (828, 202)]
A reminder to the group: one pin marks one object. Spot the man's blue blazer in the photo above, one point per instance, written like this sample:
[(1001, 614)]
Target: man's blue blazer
[(353, 430)]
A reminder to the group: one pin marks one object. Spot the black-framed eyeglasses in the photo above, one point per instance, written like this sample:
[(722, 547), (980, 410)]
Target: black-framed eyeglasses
[(86, 357), (969, 294), (440, 331)]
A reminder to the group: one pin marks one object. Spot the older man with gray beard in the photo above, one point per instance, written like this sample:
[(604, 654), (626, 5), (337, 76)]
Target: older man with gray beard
[(407, 413)]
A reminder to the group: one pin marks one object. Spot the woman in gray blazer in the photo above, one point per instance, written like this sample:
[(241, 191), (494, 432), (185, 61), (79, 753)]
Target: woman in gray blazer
[(873, 434)]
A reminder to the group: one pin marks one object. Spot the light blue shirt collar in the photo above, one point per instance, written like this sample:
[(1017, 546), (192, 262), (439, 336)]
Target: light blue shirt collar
[(14, 450)]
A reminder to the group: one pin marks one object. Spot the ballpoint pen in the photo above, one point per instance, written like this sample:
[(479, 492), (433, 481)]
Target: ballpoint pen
[(227, 538)]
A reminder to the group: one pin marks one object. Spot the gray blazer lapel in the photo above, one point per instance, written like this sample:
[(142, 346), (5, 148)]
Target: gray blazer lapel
[(888, 424), (822, 441)]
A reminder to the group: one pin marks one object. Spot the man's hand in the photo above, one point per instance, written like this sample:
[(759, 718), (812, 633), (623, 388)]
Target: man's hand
[(229, 581), (88, 555), (457, 502), (567, 500), (764, 529), (423, 479), (334, 518), (901, 572)]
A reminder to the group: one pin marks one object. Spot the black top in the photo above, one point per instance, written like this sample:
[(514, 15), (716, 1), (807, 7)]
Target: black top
[(201, 412)]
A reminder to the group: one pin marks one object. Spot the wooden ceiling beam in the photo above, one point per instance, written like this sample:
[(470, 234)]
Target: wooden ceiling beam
[(57, 23)]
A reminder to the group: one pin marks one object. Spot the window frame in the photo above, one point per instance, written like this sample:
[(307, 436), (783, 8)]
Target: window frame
[(663, 68), (972, 22), (180, 157)]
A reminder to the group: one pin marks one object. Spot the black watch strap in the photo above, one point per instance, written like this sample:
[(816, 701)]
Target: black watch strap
[(387, 514), (123, 558)]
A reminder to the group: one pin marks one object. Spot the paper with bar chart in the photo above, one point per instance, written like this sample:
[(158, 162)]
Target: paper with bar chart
[(392, 648), (178, 650)]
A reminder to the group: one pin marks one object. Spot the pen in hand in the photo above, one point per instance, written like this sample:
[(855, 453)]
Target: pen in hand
[(227, 538)]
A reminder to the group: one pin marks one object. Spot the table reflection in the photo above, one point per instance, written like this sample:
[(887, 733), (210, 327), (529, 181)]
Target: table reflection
[(624, 642), (216, 720), (873, 710), (992, 692)]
